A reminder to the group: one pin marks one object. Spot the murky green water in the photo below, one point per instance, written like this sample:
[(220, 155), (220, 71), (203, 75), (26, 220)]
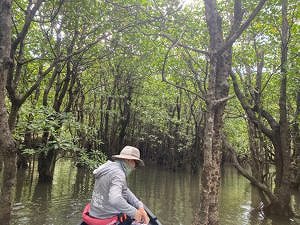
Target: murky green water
[(171, 196)]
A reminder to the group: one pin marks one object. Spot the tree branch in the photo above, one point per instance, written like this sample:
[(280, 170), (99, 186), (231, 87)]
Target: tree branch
[(199, 81), (184, 45), (184, 88), (164, 77), (272, 122), (30, 13), (243, 27), (221, 100), (250, 113), (245, 173)]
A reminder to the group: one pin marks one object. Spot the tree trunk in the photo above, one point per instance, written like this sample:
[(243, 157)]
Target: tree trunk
[(281, 137), (126, 114), (15, 69), (255, 151), (196, 153), (47, 159), (7, 145), (106, 126), (218, 87), (201, 217), (12, 119), (255, 136), (296, 141), (280, 200), (279, 133), (220, 54), (106, 136), (46, 165)]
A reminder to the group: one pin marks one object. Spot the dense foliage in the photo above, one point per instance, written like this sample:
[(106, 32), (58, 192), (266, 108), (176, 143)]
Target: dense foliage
[(96, 75)]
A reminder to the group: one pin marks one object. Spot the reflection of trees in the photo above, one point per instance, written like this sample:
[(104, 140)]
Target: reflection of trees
[(194, 181), (78, 182), (24, 185), (255, 198), (82, 182), (19, 184), (296, 202), (144, 184), (41, 199), (255, 212), (169, 195)]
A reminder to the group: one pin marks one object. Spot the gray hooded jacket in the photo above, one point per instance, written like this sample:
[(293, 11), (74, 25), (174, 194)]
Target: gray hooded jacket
[(111, 195)]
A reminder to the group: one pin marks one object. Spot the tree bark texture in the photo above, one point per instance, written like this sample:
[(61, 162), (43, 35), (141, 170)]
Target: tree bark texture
[(220, 52), (7, 144), (217, 88)]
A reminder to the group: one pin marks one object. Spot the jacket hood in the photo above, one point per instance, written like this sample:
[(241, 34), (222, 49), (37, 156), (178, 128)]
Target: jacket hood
[(107, 167)]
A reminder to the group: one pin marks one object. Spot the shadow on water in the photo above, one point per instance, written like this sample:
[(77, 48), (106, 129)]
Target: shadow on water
[(172, 196)]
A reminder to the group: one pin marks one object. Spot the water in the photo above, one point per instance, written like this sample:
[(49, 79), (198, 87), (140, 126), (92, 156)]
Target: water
[(171, 196)]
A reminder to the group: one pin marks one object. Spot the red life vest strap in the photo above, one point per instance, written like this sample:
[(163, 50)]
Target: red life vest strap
[(95, 221)]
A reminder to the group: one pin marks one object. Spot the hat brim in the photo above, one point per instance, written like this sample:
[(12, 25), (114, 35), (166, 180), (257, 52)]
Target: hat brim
[(139, 161)]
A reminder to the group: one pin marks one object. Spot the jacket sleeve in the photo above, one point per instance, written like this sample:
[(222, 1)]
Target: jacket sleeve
[(132, 199), (116, 198)]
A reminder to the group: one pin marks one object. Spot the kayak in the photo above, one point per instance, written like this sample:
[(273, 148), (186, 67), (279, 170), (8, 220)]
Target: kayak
[(152, 217)]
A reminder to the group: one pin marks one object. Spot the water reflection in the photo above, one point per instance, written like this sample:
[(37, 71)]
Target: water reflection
[(172, 196)]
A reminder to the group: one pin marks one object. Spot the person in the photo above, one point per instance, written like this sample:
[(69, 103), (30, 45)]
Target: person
[(112, 201)]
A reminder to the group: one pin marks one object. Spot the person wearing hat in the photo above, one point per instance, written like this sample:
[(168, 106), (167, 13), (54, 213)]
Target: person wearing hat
[(111, 196)]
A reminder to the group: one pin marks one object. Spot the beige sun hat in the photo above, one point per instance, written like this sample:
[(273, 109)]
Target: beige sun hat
[(129, 152)]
